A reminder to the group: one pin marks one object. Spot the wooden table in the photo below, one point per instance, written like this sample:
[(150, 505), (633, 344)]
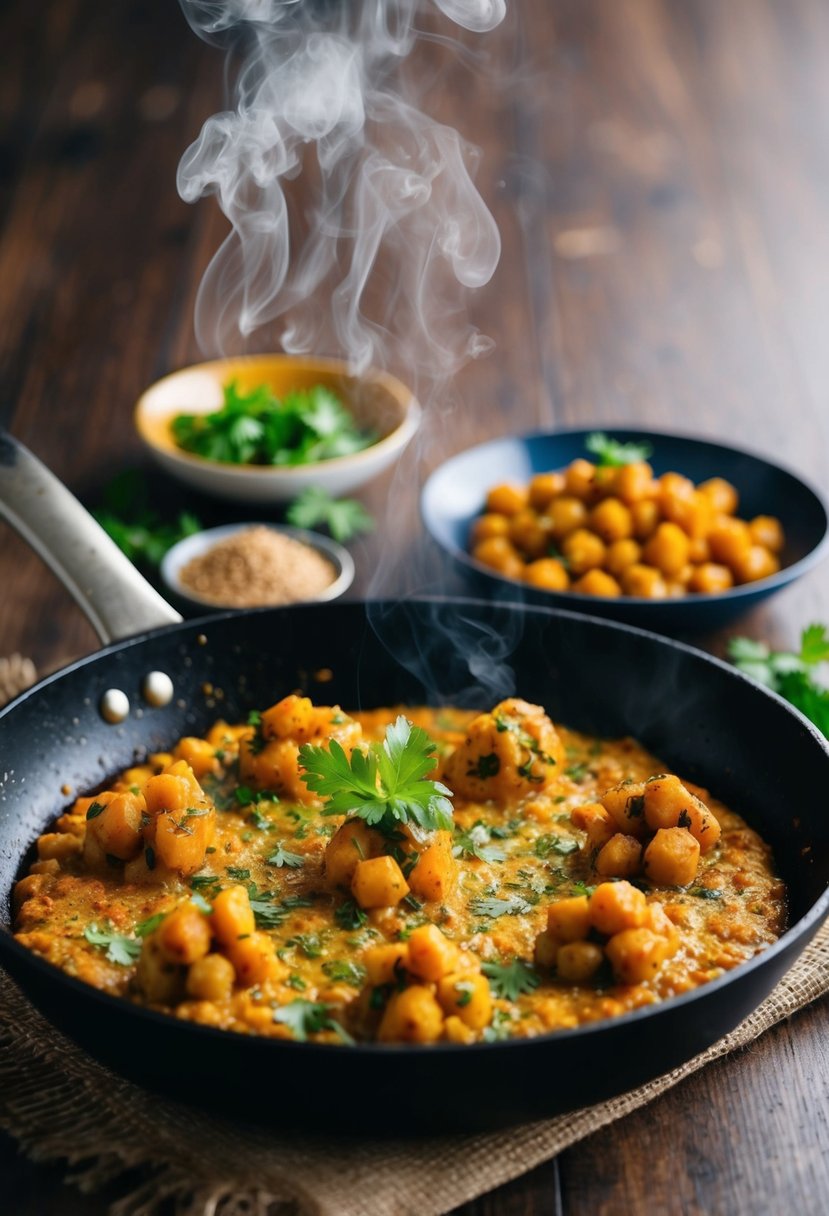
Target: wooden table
[(659, 173)]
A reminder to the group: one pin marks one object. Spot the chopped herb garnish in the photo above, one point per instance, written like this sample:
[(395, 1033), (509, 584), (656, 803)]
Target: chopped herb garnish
[(610, 454), (509, 980), (560, 845), (349, 915), (120, 948), (296, 982), (238, 872), (707, 892), (464, 990), (513, 905), (343, 971), (309, 943), (577, 772), (485, 767), (499, 1028), (386, 785), (148, 926), (198, 881), (96, 809), (282, 857), (307, 1017), (201, 903), (475, 843)]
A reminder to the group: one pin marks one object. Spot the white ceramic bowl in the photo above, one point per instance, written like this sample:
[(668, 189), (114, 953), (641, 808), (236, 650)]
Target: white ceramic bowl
[(378, 401), (194, 546)]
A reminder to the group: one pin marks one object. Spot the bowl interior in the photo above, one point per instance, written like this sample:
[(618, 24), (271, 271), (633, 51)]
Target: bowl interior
[(455, 493), (379, 402)]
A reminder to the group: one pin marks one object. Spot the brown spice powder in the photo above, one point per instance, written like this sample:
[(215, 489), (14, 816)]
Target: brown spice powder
[(257, 567)]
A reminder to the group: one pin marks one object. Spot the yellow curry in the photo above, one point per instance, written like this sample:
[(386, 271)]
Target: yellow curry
[(412, 875)]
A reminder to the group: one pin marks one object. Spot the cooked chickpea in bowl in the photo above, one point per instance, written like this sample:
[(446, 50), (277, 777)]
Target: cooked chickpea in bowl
[(662, 531), (604, 530)]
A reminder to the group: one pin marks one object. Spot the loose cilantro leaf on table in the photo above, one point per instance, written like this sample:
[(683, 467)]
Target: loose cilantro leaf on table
[(120, 947), (256, 427), (610, 454), (385, 785), (510, 980), (137, 529), (307, 1017), (790, 673), (343, 517)]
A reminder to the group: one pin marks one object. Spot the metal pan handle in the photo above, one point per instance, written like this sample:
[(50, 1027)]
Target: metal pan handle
[(106, 585)]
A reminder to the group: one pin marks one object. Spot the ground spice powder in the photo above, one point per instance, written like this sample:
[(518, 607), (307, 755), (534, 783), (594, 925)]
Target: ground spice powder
[(255, 568)]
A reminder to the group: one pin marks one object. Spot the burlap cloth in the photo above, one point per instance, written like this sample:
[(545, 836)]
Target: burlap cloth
[(60, 1104)]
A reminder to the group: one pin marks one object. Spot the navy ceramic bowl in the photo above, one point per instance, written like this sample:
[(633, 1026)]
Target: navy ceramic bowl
[(455, 493)]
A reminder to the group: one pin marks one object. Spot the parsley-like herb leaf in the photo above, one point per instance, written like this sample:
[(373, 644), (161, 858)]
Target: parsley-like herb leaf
[(344, 971), (788, 673), (120, 948), (610, 454), (343, 517), (283, 857), (308, 1017), (510, 980), (513, 905)]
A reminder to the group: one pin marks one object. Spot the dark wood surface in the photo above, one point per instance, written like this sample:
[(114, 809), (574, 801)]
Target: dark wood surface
[(659, 170)]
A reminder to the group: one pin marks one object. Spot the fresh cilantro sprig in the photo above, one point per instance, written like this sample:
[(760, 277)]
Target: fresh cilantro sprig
[(136, 527), (513, 905), (790, 673), (256, 427), (284, 857), (475, 843), (386, 785), (308, 1017), (611, 454), (120, 948), (343, 517), (510, 980)]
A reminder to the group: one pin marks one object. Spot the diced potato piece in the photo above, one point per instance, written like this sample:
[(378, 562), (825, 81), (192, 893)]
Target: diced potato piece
[(385, 963), (456, 1031), (576, 962), (636, 955), (254, 959), (31, 885), (598, 823), (546, 949), (198, 753), (672, 857), (74, 824), (290, 718), (436, 870), (58, 846), (625, 803), (181, 842), (49, 865), (431, 954), (118, 828), (513, 751), (173, 791), (568, 920), (232, 915), (184, 934), (378, 883), (466, 995), (615, 906), (211, 978), (658, 921), (620, 857), (354, 841), (411, 1016), (161, 981), (670, 804)]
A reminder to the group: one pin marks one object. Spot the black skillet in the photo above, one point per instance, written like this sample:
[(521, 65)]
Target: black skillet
[(704, 719)]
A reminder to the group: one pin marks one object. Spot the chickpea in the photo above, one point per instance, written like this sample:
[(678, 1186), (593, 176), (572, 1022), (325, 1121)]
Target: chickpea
[(646, 516), (579, 479), (721, 494), (675, 494), (506, 499), (634, 481), (612, 520), (597, 582), (548, 574), (767, 531), (667, 549), (711, 579), (576, 962), (700, 550), (566, 514), (499, 554), (583, 550), (729, 540), (527, 533), (620, 555), (488, 525), (544, 487), (645, 582), (757, 563), (211, 978)]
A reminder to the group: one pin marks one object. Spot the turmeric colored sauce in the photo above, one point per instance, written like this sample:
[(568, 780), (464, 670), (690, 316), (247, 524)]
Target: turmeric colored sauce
[(210, 884)]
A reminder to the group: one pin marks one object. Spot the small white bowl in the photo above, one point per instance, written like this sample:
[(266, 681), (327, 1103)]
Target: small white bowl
[(378, 402), (180, 554)]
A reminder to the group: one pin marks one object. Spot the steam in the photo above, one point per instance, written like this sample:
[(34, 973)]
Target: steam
[(376, 269)]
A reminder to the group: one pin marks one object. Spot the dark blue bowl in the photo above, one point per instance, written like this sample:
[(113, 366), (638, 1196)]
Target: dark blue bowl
[(455, 493)]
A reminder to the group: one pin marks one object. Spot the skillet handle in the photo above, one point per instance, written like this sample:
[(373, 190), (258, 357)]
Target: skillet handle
[(116, 599)]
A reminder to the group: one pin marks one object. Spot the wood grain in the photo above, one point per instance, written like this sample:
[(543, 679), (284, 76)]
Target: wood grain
[(658, 172)]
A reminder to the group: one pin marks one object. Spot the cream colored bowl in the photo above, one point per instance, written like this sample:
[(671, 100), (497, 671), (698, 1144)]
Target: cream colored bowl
[(378, 402)]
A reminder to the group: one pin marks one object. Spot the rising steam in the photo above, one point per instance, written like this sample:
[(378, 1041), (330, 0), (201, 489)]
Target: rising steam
[(393, 229)]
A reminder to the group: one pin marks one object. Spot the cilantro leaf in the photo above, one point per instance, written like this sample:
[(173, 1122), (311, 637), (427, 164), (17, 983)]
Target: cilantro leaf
[(789, 674), (308, 1017), (282, 857), (385, 785), (513, 905), (475, 843), (553, 843), (610, 454), (344, 971), (120, 947), (510, 980), (814, 645), (344, 517)]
